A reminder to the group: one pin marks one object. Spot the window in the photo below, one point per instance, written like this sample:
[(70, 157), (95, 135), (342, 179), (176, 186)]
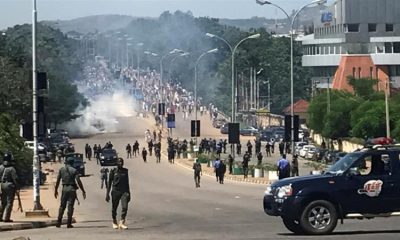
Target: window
[(354, 72), (389, 27), (396, 47), (371, 72), (372, 27), (352, 27), (388, 47), (359, 72), (374, 164)]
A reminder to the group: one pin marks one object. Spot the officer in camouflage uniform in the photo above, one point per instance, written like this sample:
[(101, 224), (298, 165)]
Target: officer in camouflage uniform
[(119, 183), (70, 181), (9, 185)]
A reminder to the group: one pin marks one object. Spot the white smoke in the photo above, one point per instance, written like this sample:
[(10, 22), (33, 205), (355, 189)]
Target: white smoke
[(102, 114)]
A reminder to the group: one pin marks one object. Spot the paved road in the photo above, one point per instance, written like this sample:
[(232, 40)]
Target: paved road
[(166, 205)]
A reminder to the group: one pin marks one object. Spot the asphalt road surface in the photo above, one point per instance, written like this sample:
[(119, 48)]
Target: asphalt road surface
[(166, 205)]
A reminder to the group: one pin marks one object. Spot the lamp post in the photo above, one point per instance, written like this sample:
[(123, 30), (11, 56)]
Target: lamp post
[(36, 162), (254, 36), (319, 2), (175, 51), (195, 78), (173, 60), (138, 60)]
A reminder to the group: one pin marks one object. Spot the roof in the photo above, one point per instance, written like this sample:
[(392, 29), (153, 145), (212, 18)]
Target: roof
[(300, 106)]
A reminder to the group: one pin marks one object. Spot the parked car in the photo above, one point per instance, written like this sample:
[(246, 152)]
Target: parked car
[(217, 123), (248, 131), (319, 154), (279, 133), (108, 157), (304, 150), (224, 128), (298, 146), (310, 152), (78, 164), (265, 136)]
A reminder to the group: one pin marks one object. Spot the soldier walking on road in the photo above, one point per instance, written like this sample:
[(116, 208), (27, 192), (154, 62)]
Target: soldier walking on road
[(295, 166), (249, 148), (150, 146), (120, 192), (136, 148), (128, 151), (268, 149), (157, 152), (197, 172), (239, 149), (9, 186), (103, 176), (259, 158), (70, 182), (144, 155), (245, 163), (221, 172), (230, 162)]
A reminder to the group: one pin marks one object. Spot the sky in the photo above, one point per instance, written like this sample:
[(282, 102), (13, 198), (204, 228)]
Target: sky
[(14, 12)]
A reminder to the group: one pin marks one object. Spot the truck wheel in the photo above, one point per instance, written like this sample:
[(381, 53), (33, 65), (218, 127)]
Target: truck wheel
[(319, 217), (292, 226)]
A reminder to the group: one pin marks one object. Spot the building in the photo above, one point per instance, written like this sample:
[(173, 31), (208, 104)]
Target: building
[(359, 38), (299, 108)]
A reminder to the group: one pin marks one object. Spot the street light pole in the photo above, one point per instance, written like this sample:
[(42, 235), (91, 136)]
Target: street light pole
[(175, 51), (319, 2), (36, 162), (254, 36), (195, 78), (387, 91)]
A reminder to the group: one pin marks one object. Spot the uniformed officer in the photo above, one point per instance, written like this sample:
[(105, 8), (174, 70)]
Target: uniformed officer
[(118, 184), (70, 181), (197, 173), (9, 185)]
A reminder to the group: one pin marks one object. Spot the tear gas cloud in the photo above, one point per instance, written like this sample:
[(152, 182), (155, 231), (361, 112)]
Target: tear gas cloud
[(102, 115)]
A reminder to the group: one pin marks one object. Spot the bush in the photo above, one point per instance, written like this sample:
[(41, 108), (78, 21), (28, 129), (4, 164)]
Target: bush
[(203, 158), (12, 142)]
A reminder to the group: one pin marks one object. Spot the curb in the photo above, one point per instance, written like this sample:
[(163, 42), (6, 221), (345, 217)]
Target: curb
[(254, 181), (31, 225)]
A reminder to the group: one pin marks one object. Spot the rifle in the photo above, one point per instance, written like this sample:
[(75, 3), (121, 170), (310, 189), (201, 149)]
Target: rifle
[(19, 202)]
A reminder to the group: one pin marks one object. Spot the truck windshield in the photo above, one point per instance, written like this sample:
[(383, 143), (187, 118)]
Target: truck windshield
[(345, 163)]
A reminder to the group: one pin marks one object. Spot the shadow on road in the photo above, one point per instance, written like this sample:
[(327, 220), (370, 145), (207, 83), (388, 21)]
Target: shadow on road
[(361, 232)]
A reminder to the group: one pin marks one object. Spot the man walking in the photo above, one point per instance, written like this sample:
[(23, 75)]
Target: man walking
[(128, 151), (245, 164), (9, 186), (217, 163), (118, 185), (197, 173), (144, 155), (70, 182), (259, 158), (283, 167), (221, 172), (157, 152), (230, 161), (103, 176), (295, 166)]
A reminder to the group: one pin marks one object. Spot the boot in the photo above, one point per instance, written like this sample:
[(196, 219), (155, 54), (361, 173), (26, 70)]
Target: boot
[(122, 224), (115, 224)]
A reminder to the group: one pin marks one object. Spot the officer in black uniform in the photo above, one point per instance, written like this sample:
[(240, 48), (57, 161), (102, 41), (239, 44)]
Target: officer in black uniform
[(70, 181), (118, 184), (9, 185)]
